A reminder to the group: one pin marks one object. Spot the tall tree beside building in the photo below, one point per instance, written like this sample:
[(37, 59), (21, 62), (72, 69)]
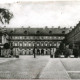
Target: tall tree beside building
[(5, 16)]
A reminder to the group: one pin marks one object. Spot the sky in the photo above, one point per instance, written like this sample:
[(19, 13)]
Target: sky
[(43, 13)]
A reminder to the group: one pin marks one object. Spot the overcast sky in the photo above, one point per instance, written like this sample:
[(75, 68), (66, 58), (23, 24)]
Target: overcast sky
[(41, 14)]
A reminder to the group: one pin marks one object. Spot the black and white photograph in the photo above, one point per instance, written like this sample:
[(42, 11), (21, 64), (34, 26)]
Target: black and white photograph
[(40, 39)]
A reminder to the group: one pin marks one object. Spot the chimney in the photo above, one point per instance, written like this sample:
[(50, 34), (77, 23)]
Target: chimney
[(46, 26), (71, 28), (58, 27), (64, 27), (52, 26), (28, 26), (22, 26)]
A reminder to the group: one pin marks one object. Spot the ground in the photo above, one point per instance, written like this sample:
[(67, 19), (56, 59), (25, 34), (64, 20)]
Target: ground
[(41, 67)]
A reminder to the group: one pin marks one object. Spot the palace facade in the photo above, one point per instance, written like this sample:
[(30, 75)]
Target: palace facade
[(26, 39)]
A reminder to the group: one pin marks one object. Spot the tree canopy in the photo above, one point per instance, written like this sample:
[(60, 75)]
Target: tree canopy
[(5, 16)]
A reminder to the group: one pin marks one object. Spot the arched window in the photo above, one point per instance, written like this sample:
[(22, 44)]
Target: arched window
[(29, 43), (50, 43), (20, 37), (20, 44), (38, 44), (13, 43), (54, 43), (42, 43), (16, 44), (46, 44), (25, 44)]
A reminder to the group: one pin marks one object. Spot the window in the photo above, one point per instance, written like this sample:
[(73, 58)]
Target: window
[(27, 37), (15, 44), (50, 32), (63, 37), (54, 44), (25, 44), (20, 43), (15, 37), (32, 43), (46, 37), (31, 37), (50, 44), (40, 37), (41, 44), (54, 37), (37, 32), (25, 32), (63, 32), (11, 44), (11, 31), (23, 37), (46, 44), (50, 37), (58, 44), (37, 44), (20, 37), (29, 44), (59, 37)]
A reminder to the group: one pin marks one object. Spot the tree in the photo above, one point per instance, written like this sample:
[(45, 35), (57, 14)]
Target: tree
[(5, 16)]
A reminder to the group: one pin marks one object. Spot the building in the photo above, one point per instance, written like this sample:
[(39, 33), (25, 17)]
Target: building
[(26, 39), (73, 38)]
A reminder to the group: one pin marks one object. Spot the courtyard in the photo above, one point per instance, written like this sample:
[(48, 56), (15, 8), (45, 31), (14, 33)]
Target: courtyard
[(41, 67)]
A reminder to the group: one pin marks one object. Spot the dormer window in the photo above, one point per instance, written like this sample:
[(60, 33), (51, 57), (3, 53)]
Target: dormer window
[(11, 31), (37, 32), (25, 32), (64, 27), (63, 32), (50, 32)]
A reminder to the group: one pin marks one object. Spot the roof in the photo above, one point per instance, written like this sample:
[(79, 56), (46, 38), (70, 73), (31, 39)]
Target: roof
[(36, 31)]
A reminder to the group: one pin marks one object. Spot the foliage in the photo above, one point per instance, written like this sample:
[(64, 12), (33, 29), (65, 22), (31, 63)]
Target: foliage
[(5, 15)]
